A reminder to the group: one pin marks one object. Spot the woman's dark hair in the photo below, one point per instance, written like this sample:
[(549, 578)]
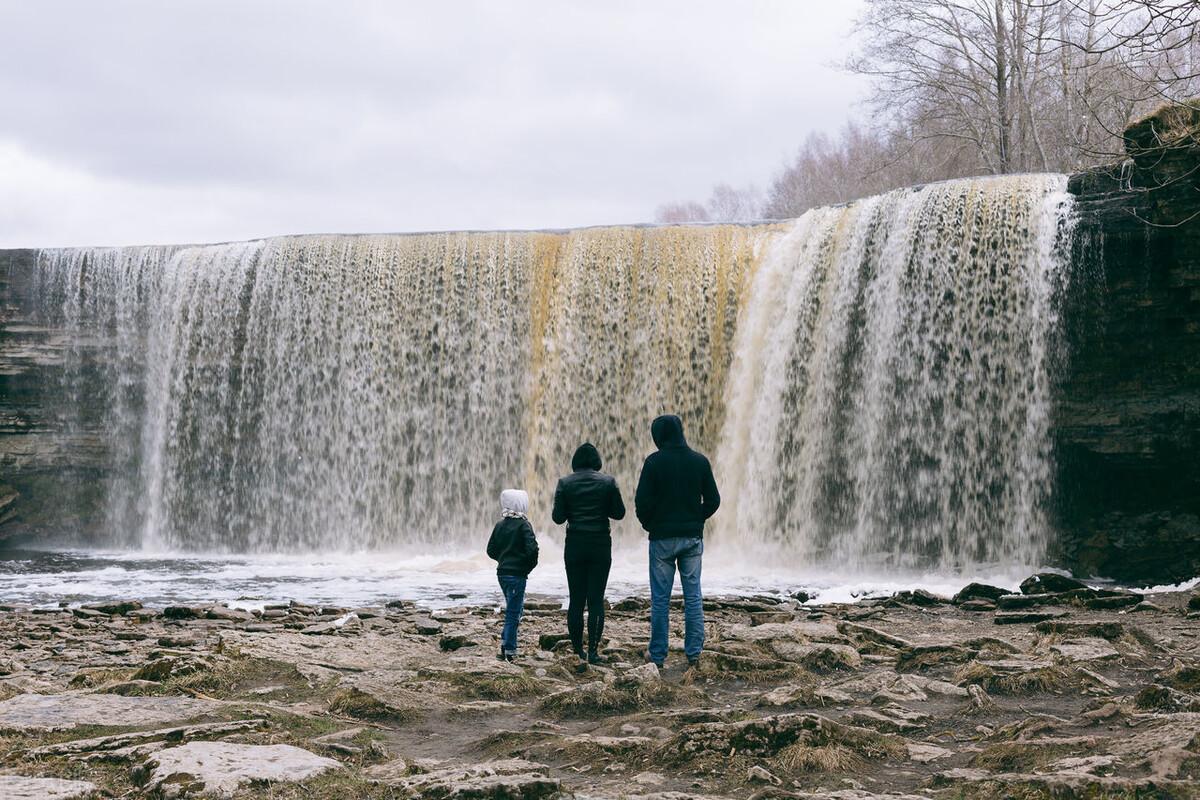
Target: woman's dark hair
[(586, 457)]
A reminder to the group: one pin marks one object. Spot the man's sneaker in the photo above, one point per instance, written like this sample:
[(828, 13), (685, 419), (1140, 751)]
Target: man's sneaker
[(650, 660), (693, 662)]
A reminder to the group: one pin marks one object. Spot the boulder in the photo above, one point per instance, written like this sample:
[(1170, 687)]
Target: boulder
[(1114, 600), (160, 669), (220, 768), (455, 642), (1156, 697), (426, 626), (1050, 583), (918, 597), (978, 591), (16, 787), (87, 613), (644, 675), (183, 612), (891, 718), (547, 641), (227, 614), (1091, 649), (114, 607), (924, 753)]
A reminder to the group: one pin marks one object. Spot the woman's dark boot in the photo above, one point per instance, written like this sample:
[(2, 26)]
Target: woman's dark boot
[(583, 661), (595, 658)]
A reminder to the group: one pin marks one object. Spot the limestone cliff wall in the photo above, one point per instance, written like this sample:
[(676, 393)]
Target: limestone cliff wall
[(50, 477), (1128, 418)]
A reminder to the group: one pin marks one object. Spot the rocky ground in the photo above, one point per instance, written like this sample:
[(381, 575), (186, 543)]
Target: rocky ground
[(1058, 692)]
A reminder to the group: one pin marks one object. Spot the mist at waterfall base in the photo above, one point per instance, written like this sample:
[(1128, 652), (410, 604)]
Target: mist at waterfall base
[(333, 416)]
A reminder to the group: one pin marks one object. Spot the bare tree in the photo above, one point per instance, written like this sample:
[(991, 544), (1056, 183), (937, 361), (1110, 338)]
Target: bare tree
[(725, 204), (965, 87), (674, 213)]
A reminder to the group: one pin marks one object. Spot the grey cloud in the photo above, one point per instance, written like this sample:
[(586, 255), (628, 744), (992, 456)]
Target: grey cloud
[(356, 115)]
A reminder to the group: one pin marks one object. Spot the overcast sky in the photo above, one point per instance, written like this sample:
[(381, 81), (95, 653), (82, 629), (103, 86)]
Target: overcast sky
[(205, 120)]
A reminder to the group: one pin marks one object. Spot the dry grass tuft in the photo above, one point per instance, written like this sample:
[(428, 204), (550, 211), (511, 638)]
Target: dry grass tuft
[(354, 702), (1020, 756), (602, 698), (1043, 679), (825, 758), (94, 678), (750, 669), (234, 678), (495, 687)]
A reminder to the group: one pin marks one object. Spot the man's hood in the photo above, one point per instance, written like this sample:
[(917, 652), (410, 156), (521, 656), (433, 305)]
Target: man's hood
[(667, 431), (586, 457)]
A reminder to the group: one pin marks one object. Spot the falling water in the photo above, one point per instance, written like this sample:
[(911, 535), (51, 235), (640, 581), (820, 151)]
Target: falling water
[(873, 381), (335, 392), (889, 401)]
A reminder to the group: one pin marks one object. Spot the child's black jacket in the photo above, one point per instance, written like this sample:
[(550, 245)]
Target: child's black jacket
[(513, 546)]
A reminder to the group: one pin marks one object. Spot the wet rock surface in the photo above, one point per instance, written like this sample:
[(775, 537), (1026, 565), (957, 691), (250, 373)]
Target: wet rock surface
[(220, 768), (903, 697), (15, 787)]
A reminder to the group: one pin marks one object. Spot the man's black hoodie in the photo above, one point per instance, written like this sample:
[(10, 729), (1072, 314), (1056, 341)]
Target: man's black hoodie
[(676, 492)]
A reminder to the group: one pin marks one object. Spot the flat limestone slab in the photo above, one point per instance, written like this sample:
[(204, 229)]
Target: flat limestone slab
[(221, 767), (16, 787), (62, 711)]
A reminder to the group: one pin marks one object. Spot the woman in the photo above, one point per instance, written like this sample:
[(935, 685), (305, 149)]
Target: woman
[(586, 500)]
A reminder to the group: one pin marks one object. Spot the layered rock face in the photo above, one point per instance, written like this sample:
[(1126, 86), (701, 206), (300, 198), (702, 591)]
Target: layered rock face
[(1128, 416), (51, 475)]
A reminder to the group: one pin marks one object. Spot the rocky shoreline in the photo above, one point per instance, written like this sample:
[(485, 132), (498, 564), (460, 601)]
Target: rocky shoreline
[(1061, 691)]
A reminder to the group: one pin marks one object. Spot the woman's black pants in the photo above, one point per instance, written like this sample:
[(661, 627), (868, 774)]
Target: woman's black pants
[(588, 561)]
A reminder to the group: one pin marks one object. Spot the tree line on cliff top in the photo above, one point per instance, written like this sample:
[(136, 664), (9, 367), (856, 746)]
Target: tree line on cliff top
[(974, 87)]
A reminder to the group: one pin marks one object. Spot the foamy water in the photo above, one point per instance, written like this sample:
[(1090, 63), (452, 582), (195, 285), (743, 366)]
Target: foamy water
[(47, 578)]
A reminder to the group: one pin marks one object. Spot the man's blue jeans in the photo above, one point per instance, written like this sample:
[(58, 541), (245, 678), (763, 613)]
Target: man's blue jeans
[(513, 587), (665, 555)]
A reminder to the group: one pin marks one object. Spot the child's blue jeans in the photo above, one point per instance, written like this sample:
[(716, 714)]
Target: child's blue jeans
[(513, 587)]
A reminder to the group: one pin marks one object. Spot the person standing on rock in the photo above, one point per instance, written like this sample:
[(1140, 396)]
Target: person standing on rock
[(586, 500), (514, 548), (676, 493)]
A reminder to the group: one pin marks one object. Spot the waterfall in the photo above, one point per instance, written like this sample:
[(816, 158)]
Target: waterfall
[(346, 392), (889, 401), (873, 382)]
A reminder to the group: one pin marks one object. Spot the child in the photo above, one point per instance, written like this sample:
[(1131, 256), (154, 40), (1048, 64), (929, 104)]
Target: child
[(514, 548)]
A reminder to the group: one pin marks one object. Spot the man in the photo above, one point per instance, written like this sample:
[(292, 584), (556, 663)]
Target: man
[(675, 495)]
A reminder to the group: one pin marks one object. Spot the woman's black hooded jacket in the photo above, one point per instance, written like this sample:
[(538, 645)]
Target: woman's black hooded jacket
[(587, 498)]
